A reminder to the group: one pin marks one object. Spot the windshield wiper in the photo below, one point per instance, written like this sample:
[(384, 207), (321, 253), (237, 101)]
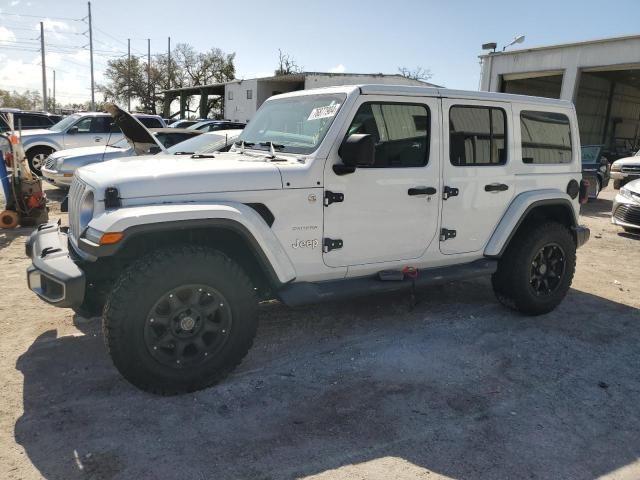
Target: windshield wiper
[(246, 144), (203, 155), (183, 153)]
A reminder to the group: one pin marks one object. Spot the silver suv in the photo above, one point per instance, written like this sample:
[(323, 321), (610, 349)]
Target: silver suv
[(77, 130)]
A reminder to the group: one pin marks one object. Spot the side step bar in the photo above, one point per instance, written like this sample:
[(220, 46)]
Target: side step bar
[(305, 293)]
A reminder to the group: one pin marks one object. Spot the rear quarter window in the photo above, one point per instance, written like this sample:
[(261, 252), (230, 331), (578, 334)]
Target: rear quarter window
[(546, 137), (150, 122)]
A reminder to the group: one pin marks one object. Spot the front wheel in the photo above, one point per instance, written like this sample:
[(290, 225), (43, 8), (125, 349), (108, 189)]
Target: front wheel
[(37, 157), (536, 271), (180, 319)]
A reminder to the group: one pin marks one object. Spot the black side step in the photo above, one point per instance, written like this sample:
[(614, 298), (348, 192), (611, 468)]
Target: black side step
[(305, 293)]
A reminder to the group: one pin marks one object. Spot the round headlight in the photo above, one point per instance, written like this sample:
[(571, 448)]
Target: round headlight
[(86, 210)]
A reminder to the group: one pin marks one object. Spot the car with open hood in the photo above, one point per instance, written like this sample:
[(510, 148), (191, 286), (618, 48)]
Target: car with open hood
[(625, 170), (60, 166), (82, 129)]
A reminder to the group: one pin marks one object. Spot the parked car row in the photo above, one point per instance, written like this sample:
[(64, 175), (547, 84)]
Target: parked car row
[(132, 138)]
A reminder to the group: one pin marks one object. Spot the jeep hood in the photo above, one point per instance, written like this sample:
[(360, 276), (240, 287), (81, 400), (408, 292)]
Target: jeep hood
[(138, 136), (168, 175)]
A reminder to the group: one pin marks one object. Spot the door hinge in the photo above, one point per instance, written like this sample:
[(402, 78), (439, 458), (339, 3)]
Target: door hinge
[(447, 234), (329, 244), (332, 197), (449, 192)]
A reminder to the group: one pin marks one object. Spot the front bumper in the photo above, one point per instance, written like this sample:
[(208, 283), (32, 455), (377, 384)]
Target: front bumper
[(53, 275), (582, 234), (55, 178), (618, 175), (625, 212)]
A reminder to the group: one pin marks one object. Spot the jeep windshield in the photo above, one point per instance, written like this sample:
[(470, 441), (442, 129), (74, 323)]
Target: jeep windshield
[(64, 123), (292, 125)]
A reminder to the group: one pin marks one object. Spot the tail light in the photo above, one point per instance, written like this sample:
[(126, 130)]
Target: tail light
[(584, 191)]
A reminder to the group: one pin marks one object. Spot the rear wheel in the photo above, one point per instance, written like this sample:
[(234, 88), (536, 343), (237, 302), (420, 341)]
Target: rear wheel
[(36, 157), (180, 320), (536, 271)]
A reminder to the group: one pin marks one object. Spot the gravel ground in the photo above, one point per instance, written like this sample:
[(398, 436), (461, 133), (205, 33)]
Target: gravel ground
[(458, 387)]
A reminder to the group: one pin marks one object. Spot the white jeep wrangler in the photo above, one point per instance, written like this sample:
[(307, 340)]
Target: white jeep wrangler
[(329, 193)]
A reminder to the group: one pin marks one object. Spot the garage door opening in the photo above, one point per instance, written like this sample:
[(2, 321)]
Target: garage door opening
[(608, 108), (539, 86)]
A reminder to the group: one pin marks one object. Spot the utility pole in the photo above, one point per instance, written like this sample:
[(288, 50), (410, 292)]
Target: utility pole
[(149, 73), (54, 91), (44, 68), (128, 74), (169, 63), (93, 98)]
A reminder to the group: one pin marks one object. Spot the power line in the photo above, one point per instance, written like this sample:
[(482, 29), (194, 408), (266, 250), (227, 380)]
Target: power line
[(40, 16)]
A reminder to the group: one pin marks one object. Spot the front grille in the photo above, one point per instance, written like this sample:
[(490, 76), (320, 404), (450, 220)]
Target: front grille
[(50, 163), (631, 168), (628, 214), (76, 192)]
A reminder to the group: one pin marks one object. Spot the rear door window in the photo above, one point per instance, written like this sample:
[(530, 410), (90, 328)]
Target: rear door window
[(546, 137), (477, 136)]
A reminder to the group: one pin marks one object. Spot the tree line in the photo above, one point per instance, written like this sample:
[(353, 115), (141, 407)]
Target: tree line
[(143, 84)]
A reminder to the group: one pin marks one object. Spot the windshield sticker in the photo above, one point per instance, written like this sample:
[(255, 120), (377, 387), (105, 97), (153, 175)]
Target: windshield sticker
[(324, 112)]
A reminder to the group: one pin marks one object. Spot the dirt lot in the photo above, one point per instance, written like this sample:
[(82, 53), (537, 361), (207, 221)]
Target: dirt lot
[(456, 388)]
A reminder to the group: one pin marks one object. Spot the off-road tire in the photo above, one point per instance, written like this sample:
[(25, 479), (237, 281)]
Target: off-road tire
[(138, 290), (512, 281), (34, 153)]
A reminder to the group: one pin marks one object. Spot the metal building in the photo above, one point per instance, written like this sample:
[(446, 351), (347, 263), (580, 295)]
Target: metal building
[(602, 78)]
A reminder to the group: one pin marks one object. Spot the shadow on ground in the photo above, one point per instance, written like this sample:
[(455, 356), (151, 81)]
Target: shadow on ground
[(7, 237), (597, 208), (458, 386)]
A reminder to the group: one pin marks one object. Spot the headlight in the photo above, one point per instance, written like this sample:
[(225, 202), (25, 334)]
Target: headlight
[(626, 193), (86, 210), (616, 167), (59, 162), (93, 235)]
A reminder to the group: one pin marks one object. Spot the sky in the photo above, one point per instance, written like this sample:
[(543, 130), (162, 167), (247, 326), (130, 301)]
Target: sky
[(375, 36)]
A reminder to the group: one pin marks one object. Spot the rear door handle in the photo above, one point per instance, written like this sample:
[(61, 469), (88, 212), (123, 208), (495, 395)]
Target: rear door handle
[(496, 187), (422, 191)]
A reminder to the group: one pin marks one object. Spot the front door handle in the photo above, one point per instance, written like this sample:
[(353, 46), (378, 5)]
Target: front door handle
[(422, 191), (496, 187), (98, 139)]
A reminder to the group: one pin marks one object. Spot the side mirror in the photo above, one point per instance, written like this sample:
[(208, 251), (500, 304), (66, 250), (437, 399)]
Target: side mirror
[(72, 131), (358, 150), (154, 149)]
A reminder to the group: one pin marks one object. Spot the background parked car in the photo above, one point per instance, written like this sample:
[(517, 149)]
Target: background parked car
[(595, 168), (625, 169), (28, 120), (213, 125), (209, 142), (183, 123), (76, 130), (60, 166), (626, 207)]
